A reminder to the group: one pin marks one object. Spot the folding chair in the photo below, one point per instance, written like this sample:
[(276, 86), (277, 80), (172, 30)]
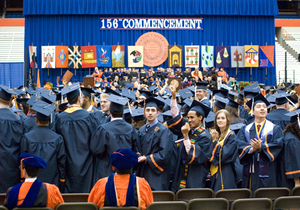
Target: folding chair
[(271, 193), (287, 202), (75, 197), (163, 196), (252, 204), (296, 191), (168, 205), (77, 206), (3, 208), (191, 193), (120, 208), (233, 194), (2, 198), (33, 208), (208, 204)]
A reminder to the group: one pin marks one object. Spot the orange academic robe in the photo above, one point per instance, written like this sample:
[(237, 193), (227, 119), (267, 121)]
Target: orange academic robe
[(145, 197)]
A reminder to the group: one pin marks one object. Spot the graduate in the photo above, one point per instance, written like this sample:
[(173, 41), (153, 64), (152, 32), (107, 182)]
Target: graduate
[(32, 192), (10, 135), (77, 125), (260, 143), (45, 143), (156, 146), (30, 122), (224, 153), (201, 93), (122, 188), (111, 136)]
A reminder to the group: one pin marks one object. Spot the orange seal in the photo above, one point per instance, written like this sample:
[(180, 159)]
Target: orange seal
[(155, 48)]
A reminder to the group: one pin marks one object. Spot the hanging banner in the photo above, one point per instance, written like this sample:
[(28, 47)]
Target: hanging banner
[(222, 56), (175, 56), (251, 55), (192, 56), (32, 56), (88, 56), (74, 57), (48, 57), (151, 23), (104, 55), (118, 58), (207, 56), (266, 56), (135, 56), (62, 55), (237, 57)]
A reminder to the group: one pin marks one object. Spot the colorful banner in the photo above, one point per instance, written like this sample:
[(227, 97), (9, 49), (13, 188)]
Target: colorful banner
[(192, 56), (266, 56), (104, 56), (237, 57), (118, 55), (62, 56), (175, 56), (48, 57), (251, 55), (88, 56), (135, 56), (222, 56), (207, 56), (32, 56), (74, 57)]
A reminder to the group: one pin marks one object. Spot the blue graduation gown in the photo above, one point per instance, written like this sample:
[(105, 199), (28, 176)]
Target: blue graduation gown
[(45, 143), (262, 164), (11, 130), (243, 112), (107, 139), (77, 128), (206, 102), (99, 116), (228, 157), (279, 118), (157, 145), (30, 124)]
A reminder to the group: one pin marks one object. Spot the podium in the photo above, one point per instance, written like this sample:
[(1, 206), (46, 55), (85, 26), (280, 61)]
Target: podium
[(88, 82)]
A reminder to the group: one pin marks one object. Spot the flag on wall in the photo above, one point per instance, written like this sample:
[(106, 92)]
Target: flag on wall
[(135, 56), (118, 55), (48, 57), (32, 56), (237, 57), (175, 56), (251, 55), (61, 56), (222, 56), (74, 58), (192, 56), (104, 55), (207, 56), (266, 56), (88, 56)]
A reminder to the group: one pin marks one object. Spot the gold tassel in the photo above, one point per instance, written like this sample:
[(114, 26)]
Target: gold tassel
[(15, 102), (92, 101)]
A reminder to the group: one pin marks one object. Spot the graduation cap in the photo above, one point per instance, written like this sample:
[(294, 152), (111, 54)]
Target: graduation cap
[(138, 114), (220, 102), (145, 93), (254, 88), (257, 99), (192, 89), (87, 91), (185, 93), (152, 88), (14, 109), (117, 102), (22, 100), (201, 85), (48, 96), (129, 85), (270, 106), (232, 103), (30, 91), (241, 95), (32, 160), (62, 107), (153, 102), (231, 95), (71, 91), (128, 94), (43, 110), (236, 127), (295, 116), (32, 101), (250, 94), (5, 93), (200, 108), (224, 87), (160, 117), (210, 119), (188, 102), (124, 159), (19, 92), (126, 114), (221, 93)]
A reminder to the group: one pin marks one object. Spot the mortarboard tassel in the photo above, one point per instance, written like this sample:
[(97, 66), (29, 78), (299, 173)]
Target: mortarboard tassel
[(92, 101), (294, 105), (16, 104), (252, 105)]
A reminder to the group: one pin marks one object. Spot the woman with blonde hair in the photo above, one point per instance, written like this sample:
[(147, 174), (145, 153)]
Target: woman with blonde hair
[(224, 153)]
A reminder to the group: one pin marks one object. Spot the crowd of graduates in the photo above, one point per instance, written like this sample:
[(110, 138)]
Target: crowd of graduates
[(204, 135)]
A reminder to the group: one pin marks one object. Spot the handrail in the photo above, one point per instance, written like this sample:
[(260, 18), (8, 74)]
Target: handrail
[(286, 34)]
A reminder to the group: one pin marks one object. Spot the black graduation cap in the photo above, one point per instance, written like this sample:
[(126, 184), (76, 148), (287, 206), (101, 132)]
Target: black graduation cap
[(202, 85), (267, 88), (48, 96), (32, 101), (221, 93), (21, 87), (200, 108), (295, 116), (138, 114), (236, 127), (153, 102), (220, 102), (241, 95), (43, 110), (257, 99), (232, 103), (231, 95), (128, 94), (192, 89), (145, 93), (210, 119), (117, 102), (225, 87), (5, 93), (22, 100), (185, 93), (249, 94), (71, 91), (32, 160), (126, 114), (62, 107), (87, 91), (282, 98)]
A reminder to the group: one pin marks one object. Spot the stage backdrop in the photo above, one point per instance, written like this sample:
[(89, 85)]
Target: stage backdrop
[(225, 23)]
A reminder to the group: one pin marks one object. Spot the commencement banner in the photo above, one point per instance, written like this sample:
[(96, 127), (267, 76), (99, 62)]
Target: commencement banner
[(152, 23)]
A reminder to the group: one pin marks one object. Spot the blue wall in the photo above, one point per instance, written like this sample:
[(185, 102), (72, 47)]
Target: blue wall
[(11, 74)]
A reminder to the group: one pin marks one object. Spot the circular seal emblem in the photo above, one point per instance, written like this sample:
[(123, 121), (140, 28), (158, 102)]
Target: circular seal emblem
[(174, 83), (155, 48)]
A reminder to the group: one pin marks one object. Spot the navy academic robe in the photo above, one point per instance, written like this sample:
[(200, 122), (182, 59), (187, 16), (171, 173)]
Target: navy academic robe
[(44, 143), (107, 139), (77, 128), (99, 116), (30, 124), (279, 118), (243, 112), (11, 130), (206, 102), (260, 166), (249, 119), (228, 157), (157, 145)]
